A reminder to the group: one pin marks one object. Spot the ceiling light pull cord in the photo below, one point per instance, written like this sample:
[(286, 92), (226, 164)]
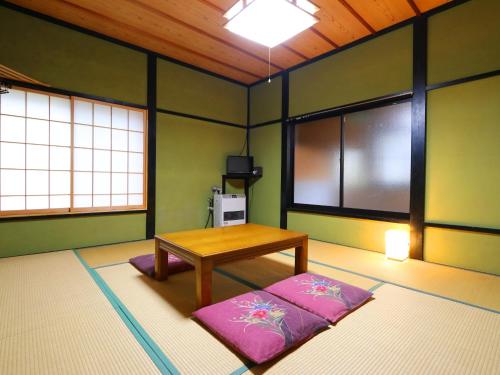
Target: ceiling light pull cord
[(269, 65)]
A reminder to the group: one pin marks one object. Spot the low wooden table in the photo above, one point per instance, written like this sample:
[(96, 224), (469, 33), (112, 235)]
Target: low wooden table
[(207, 248)]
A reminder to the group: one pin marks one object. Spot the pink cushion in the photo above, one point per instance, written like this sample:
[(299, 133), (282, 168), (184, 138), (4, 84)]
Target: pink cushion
[(259, 325), (328, 298), (146, 264)]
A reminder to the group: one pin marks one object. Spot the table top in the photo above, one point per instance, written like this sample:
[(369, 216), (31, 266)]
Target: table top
[(212, 241)]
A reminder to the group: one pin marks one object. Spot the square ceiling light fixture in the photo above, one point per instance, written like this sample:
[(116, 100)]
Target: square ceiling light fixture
[(270, 22)]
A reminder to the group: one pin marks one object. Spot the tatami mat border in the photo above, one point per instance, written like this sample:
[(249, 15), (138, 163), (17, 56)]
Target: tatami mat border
[(164, 365)]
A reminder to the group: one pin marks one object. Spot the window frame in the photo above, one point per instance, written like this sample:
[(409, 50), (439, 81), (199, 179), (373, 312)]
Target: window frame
[(379, 215), (79, 211)]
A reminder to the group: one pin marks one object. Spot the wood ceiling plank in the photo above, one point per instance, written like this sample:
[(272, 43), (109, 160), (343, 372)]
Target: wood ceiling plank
[(209, 19), (142, 18), (69, 13), (382, 13), (425, 5), (338, 23)]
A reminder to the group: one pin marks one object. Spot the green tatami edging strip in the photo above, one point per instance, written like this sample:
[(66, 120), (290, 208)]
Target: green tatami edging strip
[(161, 361)]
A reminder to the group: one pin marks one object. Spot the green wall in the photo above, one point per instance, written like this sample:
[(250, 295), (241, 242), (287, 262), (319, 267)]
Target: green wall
[(36, 236), (464, 41), (362, 234), (381, 66), (185, 90), (265, 101), (70, 60), (191, 157), (265, 194)]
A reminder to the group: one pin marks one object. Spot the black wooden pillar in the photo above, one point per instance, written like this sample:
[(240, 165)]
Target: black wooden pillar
[(418, 131), (151, 104), (285, 150)]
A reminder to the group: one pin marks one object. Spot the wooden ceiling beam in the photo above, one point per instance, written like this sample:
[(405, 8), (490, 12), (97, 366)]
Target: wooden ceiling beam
[(324, 37), (357, 16), (203, 32), (414, 7)]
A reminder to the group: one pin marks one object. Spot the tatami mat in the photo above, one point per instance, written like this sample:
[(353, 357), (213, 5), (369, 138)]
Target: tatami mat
[(116, 253), (55, 320), (401, 332)]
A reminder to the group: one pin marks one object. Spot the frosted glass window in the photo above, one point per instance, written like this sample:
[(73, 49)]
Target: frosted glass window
[(82, 136), (37, 131), (12, 182), (12, 155), (120, 163), (135, 200), (102, 115), (60, 109), (37, 105), (120, 118), (119, 183), (377, 156), (82, 159), (102, 200), (14, 103), (118, 200), (136, 121), (102, 183), (60, 201), (80, 201), (135, 141), (83, 112), (37, 157), (102, 161), (37, 182), (317, 162), (12, 203), (102, 138), (120, 140), (135, 163), (82, 182), (60, 158), (60, 182), (37, 203), (135, 183), (13, 129), (60, 134)]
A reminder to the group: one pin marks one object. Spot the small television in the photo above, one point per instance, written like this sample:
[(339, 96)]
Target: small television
[(239, 164)]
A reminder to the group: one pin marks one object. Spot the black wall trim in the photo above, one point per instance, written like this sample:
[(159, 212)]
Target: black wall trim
[(393, 217), (201, 118), (65, 92), (249, 104), (418, 139), (459, 81), (69, 215), (464, 228), (110, 39), (261, 124), (352, 107), (285, 152), (151, 213)]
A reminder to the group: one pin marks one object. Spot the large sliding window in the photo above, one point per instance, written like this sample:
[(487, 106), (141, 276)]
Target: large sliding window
[(62, 154), (355, 161)]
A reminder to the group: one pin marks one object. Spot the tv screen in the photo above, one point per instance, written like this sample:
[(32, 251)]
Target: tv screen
[(239, 164)]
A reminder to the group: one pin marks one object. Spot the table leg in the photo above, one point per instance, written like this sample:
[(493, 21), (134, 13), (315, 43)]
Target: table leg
[(203, 270), (161, 262), (301, 257)]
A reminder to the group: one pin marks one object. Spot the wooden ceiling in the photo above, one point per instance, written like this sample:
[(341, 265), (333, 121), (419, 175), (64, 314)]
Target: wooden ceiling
[(192, 30)]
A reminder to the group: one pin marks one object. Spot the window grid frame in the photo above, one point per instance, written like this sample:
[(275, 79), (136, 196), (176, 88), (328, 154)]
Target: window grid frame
[(340, 210), (79, 210)]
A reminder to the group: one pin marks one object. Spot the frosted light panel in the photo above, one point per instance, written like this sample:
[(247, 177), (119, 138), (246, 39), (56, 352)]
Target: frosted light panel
[(102, 183), (102, 161), (82, 159), (37, 157), (14, 103), (119, 183), (102, 138), (37, 131), (119, 161), (377, 156), (37, 203), (120, 118), (12, 203), (83, 112), (12, 129), (102, 115), (82, 136), (136, 121), (82, 182), (37, 182), (317, 162), (60, 109), (136, 141), (60, 201), (37, 106), (12, 155), (135, 163), (120, 140), (12, 182), (60, 158), (60, 182), (60, 134)]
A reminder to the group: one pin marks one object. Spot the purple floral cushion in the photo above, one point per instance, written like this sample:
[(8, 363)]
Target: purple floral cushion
[(259, 325), (146, 264), (328, 298)]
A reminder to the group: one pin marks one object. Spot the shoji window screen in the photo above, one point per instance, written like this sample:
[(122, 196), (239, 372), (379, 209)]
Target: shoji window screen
[(60, 154)]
